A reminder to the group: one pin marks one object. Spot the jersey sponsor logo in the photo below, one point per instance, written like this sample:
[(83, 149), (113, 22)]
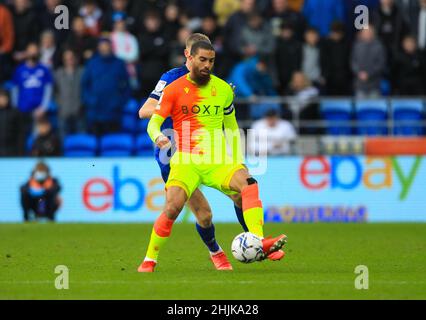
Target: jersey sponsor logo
[(160, 86), (204, 109)]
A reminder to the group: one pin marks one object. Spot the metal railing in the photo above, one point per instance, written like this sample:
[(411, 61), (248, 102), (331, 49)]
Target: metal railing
[(321, 126)]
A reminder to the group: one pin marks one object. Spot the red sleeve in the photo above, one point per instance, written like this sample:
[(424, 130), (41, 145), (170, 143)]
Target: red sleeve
[(166, 103)]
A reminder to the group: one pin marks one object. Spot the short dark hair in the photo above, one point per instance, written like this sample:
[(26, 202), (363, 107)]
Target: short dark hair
[(201, 45)]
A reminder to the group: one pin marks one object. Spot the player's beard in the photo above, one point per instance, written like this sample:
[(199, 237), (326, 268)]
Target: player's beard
[(201, 79)]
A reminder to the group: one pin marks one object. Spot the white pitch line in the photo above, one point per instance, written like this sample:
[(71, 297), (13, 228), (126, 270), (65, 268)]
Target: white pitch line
[(142, 281)]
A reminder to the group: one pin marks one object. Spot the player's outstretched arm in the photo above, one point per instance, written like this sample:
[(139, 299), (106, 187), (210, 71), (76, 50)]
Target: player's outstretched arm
[(148, 108), (154, 127)]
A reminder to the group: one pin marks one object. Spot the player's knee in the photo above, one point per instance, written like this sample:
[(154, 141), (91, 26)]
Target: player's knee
[(173, 209)]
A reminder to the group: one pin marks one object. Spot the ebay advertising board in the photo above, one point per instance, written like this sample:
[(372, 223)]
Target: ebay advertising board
[(293, 189)]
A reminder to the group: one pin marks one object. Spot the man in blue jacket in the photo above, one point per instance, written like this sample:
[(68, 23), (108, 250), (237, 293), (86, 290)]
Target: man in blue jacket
[(252, 79), (105, 89), (31, 92), (320, 14)]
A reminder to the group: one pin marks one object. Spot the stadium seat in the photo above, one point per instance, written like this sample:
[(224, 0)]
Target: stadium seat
[(371, 116), (142, 125), (116, 145), (336, 112), (129, 123), (80, 145), (144, 145), (132, 107), (409, 110)]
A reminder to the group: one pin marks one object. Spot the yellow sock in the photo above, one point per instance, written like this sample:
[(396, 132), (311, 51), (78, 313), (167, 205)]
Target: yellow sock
[(159, 235), (254, 220), (155, 244), (252, 209)]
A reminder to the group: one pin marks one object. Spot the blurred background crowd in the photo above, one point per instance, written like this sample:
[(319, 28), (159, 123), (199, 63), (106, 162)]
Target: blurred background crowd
[(56, 83)]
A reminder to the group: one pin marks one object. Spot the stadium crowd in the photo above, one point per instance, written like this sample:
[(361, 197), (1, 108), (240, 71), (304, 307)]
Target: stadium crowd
[(117, 50)]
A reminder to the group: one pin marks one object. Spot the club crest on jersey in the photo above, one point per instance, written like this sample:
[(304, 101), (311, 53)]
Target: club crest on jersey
[(186, 89), (214, 92)]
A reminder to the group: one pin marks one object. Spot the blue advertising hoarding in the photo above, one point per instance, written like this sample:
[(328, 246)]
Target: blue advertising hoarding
[(293, 189)]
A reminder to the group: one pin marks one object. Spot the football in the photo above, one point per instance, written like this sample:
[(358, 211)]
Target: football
[(247, 247)]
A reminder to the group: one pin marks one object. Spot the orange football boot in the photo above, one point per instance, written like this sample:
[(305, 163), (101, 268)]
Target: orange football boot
[(220, 261), (271, 245), (147, 266), (276, 256)]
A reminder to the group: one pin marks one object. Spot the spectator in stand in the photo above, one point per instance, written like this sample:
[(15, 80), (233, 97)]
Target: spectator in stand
[(335, 64), (105, 90), (288, 55), (320, 14), (233, 31), (40, 194), (351, 14), (410, 67), (279, 135), (50, 56), (26, 25), (410, 10), (296, 5), (281, 12), (68, 94), (252, 79), (211, 29), (7, 41), (47, 18), (187, 19), (141, 8), (304, 103), (9, 126), (120, 7), (311, 57), (368, 63), (419, 27), (224, 9), (154, 52), (176, 59), (199, 8), (46, 142), (125, 47), (92, 16), (78, 40), (390, 28), (256, 37), (32, 91), (171, 21)]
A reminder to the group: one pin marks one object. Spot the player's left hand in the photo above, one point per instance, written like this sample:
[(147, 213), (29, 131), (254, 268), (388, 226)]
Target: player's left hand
[(163, 142)]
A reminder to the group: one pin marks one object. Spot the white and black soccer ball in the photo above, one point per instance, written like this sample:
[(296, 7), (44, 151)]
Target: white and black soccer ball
[(247, 247)]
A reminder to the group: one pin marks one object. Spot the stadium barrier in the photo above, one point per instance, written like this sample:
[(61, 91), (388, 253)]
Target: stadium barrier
[(293, 189)]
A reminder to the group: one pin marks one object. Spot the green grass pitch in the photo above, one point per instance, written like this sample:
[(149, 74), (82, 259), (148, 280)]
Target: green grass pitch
[(320, 263)]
